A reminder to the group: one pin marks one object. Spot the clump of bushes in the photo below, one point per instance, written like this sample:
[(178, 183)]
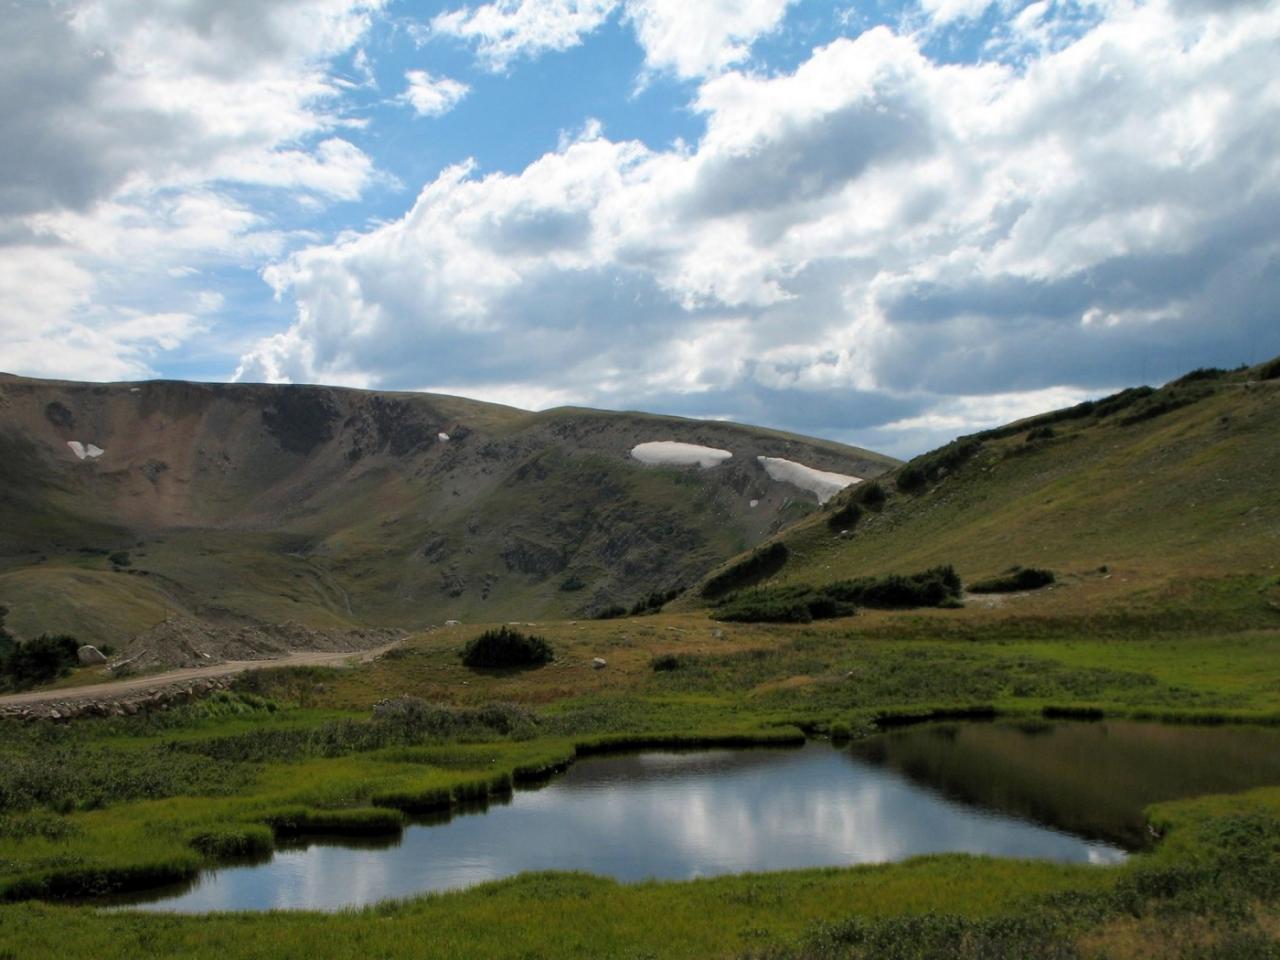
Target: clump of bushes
[(1014, 580), (936, 587), (1045, 432), (611, 612), (572, 583), (654, 601), (37, 661), (121, 558), (505, 647), (763, 563), (1270, 370)]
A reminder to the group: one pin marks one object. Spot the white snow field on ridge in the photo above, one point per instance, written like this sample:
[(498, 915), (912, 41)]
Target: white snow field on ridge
[(822, 484), (669, 453)]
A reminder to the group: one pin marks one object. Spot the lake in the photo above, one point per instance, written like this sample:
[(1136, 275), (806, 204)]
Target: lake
[(1064, 791)]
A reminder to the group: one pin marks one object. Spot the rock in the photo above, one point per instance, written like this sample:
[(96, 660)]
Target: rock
[(599, 663), (90, 655), (452, 623)]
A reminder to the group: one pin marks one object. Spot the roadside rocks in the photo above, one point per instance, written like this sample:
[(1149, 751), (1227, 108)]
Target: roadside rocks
[(121, 704), (89, 655)]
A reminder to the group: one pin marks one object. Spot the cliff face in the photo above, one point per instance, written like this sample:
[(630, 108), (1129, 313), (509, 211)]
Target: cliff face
[(338, 507)]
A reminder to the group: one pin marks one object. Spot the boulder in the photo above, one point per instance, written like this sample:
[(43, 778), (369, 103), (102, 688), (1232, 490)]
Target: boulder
[(90, 655), (599, 663)]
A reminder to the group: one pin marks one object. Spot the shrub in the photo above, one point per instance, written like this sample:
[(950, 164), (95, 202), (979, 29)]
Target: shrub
[(572, 583), (505, 647), (39, 661), (869, 494), (763, 563), (612, 612), (1270, 370), (1041, 433), (665, 662), (654, 601), (846, 518), (911, 479), (936, 587), (1013, 580), (121, 558)]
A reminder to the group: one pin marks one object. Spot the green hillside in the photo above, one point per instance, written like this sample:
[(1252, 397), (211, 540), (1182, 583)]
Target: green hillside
[(1141, 491)]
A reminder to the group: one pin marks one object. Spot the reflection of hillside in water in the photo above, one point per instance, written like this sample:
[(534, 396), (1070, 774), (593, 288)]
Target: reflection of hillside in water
[(1093, 779)]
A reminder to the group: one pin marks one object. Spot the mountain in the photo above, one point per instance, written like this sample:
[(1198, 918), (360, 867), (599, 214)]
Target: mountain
[(124, 504), (1147, 490)]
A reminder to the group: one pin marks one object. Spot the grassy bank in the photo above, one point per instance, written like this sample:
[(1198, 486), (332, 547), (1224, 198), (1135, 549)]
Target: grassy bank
[(105, 803)]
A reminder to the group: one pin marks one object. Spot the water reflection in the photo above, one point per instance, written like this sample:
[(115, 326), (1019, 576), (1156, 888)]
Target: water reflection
[(1093, 779), (667, 815)]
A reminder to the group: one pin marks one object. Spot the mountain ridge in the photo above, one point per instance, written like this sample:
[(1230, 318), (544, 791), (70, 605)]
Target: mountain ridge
[(336, 506)]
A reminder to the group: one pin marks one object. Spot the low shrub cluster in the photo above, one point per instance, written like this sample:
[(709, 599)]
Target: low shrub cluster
[(611, 612), (666, 662), (936, 587), (654, 602), (1013, 580), (505, 647), (931, 467), (846, 517), (1270, 370), (37, 661), (763, 563)]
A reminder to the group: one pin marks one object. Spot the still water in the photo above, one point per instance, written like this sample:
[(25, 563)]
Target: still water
[(999, 789)]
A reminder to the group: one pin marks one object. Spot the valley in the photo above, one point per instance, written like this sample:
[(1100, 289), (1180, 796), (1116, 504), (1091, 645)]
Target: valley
[(1156, 516)]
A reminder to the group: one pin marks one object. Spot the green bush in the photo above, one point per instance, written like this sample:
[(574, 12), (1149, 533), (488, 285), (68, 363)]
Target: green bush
[(1045, 432), (1014, 580), (655, 601), (505, 647), (846, 518), (665, 662), (869, 494), (936, 587), (38, 661), (611, 612), (121, 558), (572, 583), (1270, 370), (763, 563)]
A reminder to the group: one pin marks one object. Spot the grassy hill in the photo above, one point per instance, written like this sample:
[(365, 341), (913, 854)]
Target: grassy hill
[(1144, 491), (331, 507)]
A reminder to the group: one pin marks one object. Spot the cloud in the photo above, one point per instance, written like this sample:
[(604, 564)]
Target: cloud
[(507, 30), (432, 96), (129, 126), (686, 39), (873, 224)]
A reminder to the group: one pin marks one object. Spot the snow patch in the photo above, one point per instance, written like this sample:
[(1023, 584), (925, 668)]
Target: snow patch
[(442, 437), (669, 453), (82, 450), (822, 484)]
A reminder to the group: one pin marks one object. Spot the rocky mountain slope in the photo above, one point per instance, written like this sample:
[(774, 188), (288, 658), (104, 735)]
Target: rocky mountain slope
[(1141, 493), (123, 505)]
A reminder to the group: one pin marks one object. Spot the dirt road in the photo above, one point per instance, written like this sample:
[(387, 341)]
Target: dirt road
[(122, 689)]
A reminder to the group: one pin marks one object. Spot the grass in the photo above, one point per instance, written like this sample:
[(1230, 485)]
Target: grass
[(1161, 533)]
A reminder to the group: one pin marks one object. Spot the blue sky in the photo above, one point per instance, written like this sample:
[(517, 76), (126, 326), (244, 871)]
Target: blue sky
[(884, 223)]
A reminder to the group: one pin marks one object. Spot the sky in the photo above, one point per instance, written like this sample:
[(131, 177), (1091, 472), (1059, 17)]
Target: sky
[(886, 222)]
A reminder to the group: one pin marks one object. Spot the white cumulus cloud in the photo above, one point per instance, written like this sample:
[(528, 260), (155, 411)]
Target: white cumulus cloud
[(432, 96)]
